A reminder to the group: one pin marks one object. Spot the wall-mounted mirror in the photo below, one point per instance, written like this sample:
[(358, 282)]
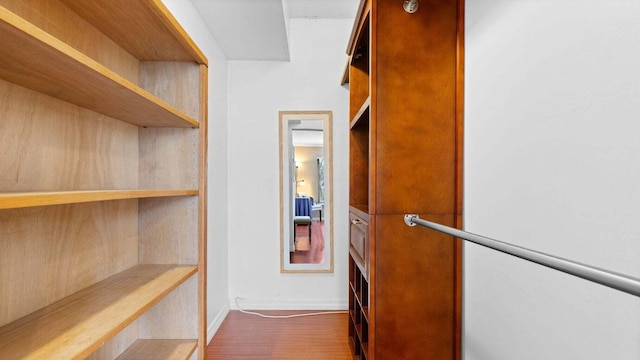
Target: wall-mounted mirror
[(306, 191)]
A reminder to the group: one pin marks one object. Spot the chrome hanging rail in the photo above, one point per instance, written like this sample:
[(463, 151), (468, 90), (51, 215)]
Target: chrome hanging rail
[(603, 277)]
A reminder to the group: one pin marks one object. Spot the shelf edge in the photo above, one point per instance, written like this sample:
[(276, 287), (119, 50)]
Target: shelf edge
[(34, 199)]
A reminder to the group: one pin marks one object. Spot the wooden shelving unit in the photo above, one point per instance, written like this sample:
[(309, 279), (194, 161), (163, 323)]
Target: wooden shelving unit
[(77, 325), (102, 182), (405, 83)]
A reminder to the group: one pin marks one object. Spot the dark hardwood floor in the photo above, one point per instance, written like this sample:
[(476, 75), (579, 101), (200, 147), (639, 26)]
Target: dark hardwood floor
[(244, 336)]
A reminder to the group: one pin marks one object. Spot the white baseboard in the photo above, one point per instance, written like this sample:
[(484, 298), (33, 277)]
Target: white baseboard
[(283, 304), (217, 321)]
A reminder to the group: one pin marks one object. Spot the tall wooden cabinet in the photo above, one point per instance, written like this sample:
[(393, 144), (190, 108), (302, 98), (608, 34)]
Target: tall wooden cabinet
[(103, 141), (405, 81)]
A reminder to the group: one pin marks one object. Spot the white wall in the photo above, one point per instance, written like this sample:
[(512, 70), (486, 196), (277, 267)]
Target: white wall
[(257, 91), (217, 219), (552, 163)]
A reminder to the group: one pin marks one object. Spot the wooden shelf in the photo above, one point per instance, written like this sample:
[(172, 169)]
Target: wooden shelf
[(358, 328), (32, 199), (359, 300), (160, 349), (151, 34), (34, 59), (79, 324), (352, 344), (361, 207), (345, 73), (356, 344), (359, 117), (358, 313), (365, 350)]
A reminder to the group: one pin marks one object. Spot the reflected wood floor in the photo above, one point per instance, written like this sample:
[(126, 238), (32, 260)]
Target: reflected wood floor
[(309, 252), (244, 336)]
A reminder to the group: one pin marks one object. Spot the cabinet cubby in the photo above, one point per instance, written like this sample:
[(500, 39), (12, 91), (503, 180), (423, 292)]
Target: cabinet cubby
[(358, 311)]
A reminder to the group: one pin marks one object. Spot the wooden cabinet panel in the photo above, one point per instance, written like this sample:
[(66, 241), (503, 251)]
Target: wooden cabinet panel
[(414, 292), (414, 111), (406, 158)]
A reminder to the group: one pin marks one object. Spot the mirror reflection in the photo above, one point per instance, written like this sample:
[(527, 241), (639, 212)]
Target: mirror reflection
[(305, 192)]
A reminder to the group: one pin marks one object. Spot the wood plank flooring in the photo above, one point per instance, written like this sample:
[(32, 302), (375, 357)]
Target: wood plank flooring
[(309, 252), (243, 336)]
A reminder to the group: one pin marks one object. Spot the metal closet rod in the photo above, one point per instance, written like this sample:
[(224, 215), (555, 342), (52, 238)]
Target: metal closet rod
[(603, 277)]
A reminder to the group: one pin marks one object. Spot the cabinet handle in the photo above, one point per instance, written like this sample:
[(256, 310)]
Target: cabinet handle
[(356, 221)]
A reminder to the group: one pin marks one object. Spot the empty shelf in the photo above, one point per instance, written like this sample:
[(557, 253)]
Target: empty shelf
[(160, 350), (77, 325), (32, 58)]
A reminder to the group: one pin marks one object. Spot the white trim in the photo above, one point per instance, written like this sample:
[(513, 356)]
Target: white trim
[(285, 304), (212, 329)]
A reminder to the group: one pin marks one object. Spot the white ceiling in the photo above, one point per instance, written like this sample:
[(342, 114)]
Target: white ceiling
[(307, 138), (257, 29), (323, 9)]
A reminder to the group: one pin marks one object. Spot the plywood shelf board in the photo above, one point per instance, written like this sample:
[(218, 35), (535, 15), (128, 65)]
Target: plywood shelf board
[(34, 59), (32, 199), (79, 324), (359, 118), (152, 33), (166, 349)]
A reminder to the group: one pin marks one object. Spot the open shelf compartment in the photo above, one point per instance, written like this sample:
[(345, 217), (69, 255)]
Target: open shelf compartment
[(159, 349), (32, 58), (77, 325)]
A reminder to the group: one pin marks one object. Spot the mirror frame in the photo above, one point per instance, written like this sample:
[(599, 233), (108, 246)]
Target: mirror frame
[(285, 117)]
